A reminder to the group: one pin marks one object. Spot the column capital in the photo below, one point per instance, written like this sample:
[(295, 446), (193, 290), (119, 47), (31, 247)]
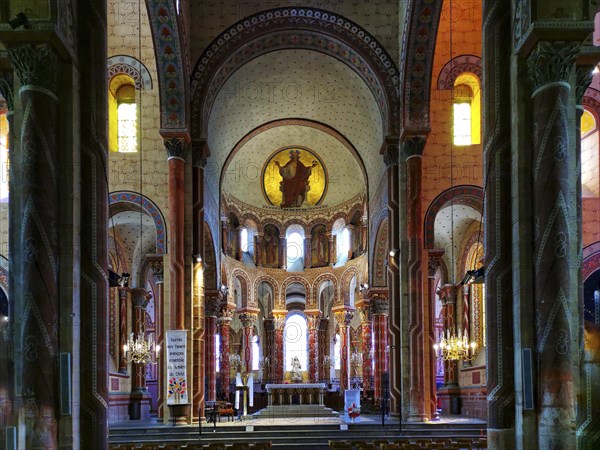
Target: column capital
[(140, 297), (279, 320), (343, 317), (158, 268), (380, 305), (390, 152), (447, 294), (551, 62), (225, 315), (35, 65), (175, 147), (212, 306), (7, 89), (365, 313), (583, 78), (434, 261), (314, 319), (413, 146), (200, 153), (248, 318)]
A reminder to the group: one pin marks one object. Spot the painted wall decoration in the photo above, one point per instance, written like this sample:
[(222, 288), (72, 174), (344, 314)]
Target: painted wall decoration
[(293, 177), (177, 391)]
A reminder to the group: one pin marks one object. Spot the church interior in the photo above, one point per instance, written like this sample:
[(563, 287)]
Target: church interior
[(307, 209)]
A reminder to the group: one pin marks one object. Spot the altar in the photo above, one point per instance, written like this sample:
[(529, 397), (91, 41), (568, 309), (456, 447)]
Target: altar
[(306, 393)]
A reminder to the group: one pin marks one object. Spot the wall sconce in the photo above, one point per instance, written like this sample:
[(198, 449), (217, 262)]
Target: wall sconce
[(363, 287), (19, 20), (124, 280), (393, 252), (473, 276), (197, 258)]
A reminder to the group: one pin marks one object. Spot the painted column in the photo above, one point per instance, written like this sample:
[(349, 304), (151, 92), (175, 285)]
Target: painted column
[(248, 320), (157, 268), (314, 319), (343, 318), (258, 248), (550, 67), (324, 372), (332, 249), (139, 300), (122, 328), (380, 311), (364, 309), (502, 185), (449, 393), (175, 147), (224, 322), (282, 252), (279, 324), (418, 392), (350, 229), (435, 259), (211, 309), (34, 233), (269, 350), (390, 152)]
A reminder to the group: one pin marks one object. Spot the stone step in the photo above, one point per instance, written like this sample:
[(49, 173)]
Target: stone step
[(287, 411)]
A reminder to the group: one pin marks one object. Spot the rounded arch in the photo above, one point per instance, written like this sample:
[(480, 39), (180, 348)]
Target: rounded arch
[(297, 122), (316, 288), (295, 279), (380, 254), (461, 195), (274, 287), (456, 66), (248, 300), (591, 260), (129, 200), (132, 67), (351, 273), (293, 28)]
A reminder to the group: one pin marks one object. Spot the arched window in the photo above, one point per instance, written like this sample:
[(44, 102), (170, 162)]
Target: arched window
[(218, 352), (296, 341), (466, 110), (590, 162), (295, 248), (244, 240), (3, 158), (127, 119), (336, 353), (255, 352)]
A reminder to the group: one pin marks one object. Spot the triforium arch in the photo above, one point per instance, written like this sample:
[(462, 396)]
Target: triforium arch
[(345, 284), (380, 254), (300, 280), (343, 39), (316, 289), (274, 287), (248, 299)]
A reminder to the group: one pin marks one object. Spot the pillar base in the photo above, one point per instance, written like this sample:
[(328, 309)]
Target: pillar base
[(500, 438)]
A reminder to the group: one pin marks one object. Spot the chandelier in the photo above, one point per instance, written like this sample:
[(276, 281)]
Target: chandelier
[(141, 349), (455, 347)]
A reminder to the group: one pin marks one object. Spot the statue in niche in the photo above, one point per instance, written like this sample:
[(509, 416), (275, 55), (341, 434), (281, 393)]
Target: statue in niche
[(294, 185), (296, 372), (318, 246)]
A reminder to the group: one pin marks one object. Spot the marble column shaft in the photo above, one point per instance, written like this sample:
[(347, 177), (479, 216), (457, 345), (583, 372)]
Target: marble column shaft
[(122, 329), (367, 345), (248, 320), (157, 268), (211, 310), (224, 323), (313, 347), (554, 209), (343, 319), (434, 262), (380, 331), (279, 323), (139, 300)]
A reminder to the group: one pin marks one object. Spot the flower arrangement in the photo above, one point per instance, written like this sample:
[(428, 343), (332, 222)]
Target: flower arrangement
[(353, 411), (177, 388)]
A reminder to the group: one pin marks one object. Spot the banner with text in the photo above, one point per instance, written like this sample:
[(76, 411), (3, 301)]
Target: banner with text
[(177, 391)]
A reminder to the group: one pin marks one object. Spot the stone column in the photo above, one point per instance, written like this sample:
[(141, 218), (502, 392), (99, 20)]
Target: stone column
[(350, 229), (34, 241), (364, 309), (497, 125), (307, 251), (175, 147), (550, 65), (248, 319), (324, 372), (211, 309), (122, 328), (258, 248), (380, 309), (224, 322), (332, 252), (269, 350), (435, 259), (314, 319), (282, 252), (390, 152), (157, 268), (412, 150), (343, 318), (278, 364), (449, 393)]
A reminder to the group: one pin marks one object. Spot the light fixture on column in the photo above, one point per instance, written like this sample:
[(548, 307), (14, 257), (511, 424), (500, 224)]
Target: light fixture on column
[(473, 276), (454, 346), (141, 349), (197, 258), (363, 287), (235, 361)]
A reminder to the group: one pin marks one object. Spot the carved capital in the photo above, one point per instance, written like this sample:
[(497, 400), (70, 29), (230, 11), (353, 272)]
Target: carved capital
[(140, 297), (551, 62), (365, 313), (157, 268), (278, 322), (447, 294), (313, 321), (35, 65), (7, 89), (225, 316), (248, 319), (391, 153), (212, 305), (413, 146), (200, 154), (434, 262), (583, 79), (343, 317), (380, 305), (175, 147)]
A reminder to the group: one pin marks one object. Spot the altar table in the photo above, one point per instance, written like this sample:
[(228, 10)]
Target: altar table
[(308, 393)]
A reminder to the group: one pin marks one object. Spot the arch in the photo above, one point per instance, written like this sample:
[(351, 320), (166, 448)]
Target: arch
[(461, 195), (346, 281), (296, 279), (456, 66), (316, 289), (380, 254), (172, 70), (296, 336), (296, 122), (132, 67), (129, 200), (591, 260), (248, 300), (293, 28), (274, 287), (418, 46)]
